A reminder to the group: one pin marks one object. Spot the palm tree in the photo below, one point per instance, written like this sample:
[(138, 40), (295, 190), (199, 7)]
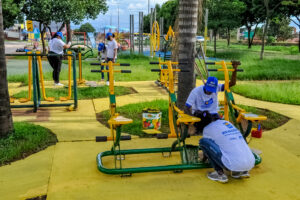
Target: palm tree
[(6, 125), (188, 18)]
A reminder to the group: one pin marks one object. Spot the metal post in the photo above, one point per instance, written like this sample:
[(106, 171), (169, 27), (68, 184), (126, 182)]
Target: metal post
[(131, 33), (205, 31), (151, 20), (161, 31), (141, 27)]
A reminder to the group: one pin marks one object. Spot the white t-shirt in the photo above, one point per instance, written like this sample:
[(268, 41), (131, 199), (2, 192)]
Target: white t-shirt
[(198, 100), (236, 155), (111, 46), (57, 46)]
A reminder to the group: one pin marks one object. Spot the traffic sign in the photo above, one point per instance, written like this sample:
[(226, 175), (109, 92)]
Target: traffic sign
[(29, 25)]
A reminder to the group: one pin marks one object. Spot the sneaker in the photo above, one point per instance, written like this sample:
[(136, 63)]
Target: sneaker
[(238, 175), (107, 82), (58, 84), (215, 176), (102, 80)]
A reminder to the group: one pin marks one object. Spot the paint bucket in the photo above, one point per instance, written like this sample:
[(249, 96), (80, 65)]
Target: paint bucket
[(151, 118)]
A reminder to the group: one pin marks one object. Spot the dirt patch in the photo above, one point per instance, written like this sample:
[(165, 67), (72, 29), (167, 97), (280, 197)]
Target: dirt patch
[(42, 115)]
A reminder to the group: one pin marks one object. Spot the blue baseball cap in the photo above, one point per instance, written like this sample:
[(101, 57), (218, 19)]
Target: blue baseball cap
[(101, 46), (108, 34), (211, 84), (60, 34)]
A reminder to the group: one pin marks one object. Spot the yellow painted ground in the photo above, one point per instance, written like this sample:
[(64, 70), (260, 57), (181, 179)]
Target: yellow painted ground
[(69, 171)]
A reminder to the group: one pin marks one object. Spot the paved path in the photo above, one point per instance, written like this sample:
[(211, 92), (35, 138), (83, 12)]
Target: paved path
[(68, 169)]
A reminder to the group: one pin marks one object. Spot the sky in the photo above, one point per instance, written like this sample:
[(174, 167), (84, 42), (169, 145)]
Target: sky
[(126, 7)]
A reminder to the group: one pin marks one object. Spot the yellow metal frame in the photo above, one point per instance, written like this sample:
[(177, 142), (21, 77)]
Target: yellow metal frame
[(80, 80), (170, 34), (154, 38), (39, 59), (242, 112), (69, 76), (115, 119), (181, 117)]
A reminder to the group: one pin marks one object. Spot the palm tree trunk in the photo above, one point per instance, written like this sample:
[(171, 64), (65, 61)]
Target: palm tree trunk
[(188, 17), (6, 124), (69, 32)]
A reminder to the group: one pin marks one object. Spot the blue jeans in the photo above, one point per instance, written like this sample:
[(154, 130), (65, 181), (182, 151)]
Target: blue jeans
[(212, 151)]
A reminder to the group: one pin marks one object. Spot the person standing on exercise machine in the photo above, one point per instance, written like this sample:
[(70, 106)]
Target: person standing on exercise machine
[(57, 46), (111, 50)]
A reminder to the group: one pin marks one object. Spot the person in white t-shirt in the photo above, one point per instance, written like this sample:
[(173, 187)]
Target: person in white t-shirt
[(226, 149), (57, 46), (205, 98), (111, 50)]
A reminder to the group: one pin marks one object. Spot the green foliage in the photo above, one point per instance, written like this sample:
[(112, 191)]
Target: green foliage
[(280, 92), (87, 27), (11, 10), (83, 93), (134, 111), (279, 27), (270, 39), (24, 141), (168, 10), (225, 14)]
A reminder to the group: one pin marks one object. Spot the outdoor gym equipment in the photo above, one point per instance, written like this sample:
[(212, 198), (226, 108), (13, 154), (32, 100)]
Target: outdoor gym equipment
[(116, 121), (36, 85), (180, 123), (82, 54), (242, 119), (154, 39)]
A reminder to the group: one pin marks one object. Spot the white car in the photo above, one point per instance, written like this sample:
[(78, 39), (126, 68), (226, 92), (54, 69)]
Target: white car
[(199, 38)]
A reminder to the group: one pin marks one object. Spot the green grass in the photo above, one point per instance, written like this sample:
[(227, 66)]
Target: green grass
[(83, 93), (24, 141), (280, 92), (289, 50), (134, 111), (140, 67), (274, 119), (256, 69)]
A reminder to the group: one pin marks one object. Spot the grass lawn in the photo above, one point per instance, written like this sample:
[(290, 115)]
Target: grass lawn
[(134, 111), (281, 92), (279, 68), (291, 50), (25, 140), (83, 93), (140, 67)]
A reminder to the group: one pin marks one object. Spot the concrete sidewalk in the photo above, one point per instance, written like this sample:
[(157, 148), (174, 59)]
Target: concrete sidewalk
[(68, 170)]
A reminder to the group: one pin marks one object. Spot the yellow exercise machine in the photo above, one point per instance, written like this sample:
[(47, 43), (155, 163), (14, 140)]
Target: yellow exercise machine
[(154, 39), (242, 119), (116, 121)]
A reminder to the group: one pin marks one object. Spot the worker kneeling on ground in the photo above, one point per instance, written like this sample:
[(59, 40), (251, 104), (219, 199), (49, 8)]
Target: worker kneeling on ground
[(225, 147)]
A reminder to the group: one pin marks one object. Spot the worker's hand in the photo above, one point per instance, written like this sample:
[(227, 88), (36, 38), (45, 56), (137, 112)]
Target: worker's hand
[(69, 43)]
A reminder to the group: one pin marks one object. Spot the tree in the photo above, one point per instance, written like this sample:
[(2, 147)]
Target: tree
[(6, 123), (87, 28), (252, 16), (40, 11), (293, 9), (11, 12), (169, 11), (279, 28), (271, 8), (223, 14), (232, 16), (188, 18)]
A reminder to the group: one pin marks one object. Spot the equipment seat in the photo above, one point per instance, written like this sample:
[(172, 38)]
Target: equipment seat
[(187, 119), (119, 120), (253, 117)]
